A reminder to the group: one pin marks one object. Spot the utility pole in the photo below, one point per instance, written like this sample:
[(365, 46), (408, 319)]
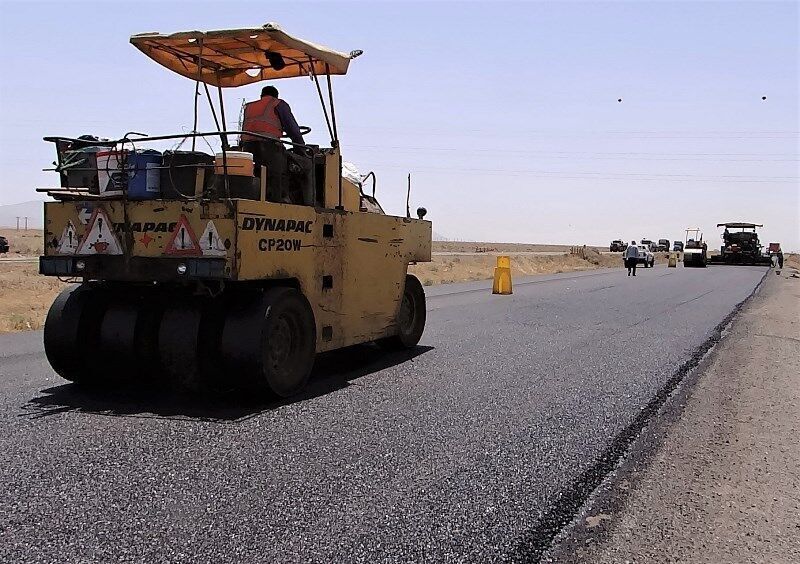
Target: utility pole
[(26, 223), (17, 223)]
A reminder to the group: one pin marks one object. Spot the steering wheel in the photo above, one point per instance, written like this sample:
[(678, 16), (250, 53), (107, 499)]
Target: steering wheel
[(304, 130)]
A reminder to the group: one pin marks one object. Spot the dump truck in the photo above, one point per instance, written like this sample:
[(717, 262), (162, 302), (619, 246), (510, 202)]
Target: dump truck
[(617, 246), (224, 270), (695, 250), (740, 245)]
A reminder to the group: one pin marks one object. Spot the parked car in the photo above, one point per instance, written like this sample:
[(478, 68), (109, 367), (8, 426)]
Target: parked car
[(678, 246), (617, 245), (646, 256), (3, 245), (649, 244), (663, 246)]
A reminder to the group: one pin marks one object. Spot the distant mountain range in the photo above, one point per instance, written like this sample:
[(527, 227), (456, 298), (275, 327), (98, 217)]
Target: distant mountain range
[(32, 210)]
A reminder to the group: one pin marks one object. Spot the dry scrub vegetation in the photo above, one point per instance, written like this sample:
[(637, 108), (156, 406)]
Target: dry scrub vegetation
[(25, 296), (447, 268), (23, 243)]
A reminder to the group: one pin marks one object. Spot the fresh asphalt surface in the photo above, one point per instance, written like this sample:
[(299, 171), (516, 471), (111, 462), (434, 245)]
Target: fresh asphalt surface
[(460, 451)]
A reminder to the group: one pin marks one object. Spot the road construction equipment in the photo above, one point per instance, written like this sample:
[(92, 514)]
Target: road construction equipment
[(695, 250), (740, 245), (224, 269), (617, 245)]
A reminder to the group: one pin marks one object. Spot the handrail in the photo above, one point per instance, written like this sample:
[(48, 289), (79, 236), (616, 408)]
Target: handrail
[(310, 150), (127, 139)]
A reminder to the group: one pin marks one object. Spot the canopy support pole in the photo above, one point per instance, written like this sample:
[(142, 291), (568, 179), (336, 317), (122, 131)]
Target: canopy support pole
[(321, 98), (333, 108), (224, 138), (213, 111), (335, 141), (224, 129), (197, 90)]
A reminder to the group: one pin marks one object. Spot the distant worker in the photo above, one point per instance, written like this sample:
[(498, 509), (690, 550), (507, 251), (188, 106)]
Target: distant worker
[(776, 256), (631, 257), (270, 116)]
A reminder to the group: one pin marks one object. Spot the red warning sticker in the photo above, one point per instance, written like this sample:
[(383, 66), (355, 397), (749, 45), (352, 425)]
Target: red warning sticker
[(183, 240), (99, 238)]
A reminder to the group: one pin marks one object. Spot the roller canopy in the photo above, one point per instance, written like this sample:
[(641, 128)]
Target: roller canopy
[(235, 57), (737, 225)]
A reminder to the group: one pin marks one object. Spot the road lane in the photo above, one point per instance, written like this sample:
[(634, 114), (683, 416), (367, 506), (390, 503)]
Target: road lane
[(456, 452)]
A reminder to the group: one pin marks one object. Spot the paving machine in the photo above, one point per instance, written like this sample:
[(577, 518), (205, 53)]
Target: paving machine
[(695, 250), (224, 269), (740, 245)]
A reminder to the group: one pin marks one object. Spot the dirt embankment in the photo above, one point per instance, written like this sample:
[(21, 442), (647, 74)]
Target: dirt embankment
[(447, 268), (25, 296), (507, 248), (22, 243)]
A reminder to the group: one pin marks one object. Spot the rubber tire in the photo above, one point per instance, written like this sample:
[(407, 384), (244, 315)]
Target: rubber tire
[(408, 337), (180, 345), (71, 331), (245, 340), (118, 361)]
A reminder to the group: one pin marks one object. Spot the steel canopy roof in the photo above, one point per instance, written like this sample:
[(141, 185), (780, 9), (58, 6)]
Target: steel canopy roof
[(235, 57), (739, 224)]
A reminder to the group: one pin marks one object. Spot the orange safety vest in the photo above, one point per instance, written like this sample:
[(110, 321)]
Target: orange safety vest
[(260, 117)]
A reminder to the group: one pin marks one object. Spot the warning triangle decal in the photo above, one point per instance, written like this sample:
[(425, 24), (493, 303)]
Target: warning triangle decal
[(68, 244), (99, 238), (210, 243), (183, 240)]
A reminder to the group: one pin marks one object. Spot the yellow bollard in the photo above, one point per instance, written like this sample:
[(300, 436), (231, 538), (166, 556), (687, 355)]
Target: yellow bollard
[(502, 276), (673, 260)]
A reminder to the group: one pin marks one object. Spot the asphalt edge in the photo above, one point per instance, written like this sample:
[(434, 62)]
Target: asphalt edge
[(601, 487)]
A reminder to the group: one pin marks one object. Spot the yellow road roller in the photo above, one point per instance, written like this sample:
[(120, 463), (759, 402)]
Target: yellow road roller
[(232, 268)]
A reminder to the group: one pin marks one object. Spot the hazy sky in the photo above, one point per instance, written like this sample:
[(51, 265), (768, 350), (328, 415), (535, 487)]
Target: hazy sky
[(506, 114)]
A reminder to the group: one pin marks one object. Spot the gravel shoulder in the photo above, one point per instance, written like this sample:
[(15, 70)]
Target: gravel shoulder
[(722, 481)]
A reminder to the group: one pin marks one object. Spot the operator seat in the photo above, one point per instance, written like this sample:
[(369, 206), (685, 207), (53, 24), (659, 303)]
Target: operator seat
[(289, 173)]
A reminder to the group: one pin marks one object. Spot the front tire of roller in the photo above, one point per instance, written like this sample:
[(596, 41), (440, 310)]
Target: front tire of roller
[(410, 318), (290, 341), (272, 338)]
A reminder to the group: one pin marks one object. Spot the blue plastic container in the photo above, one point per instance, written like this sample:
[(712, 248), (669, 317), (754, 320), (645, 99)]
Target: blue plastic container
[(144, 177)]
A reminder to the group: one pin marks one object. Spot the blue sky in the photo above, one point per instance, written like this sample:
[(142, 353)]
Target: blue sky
[(506, 114)]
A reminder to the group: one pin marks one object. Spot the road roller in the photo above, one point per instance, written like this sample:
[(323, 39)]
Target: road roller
[(695, 250), (231, 269)]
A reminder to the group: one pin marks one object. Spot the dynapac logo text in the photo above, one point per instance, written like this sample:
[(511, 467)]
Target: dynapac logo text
[(270, 224)]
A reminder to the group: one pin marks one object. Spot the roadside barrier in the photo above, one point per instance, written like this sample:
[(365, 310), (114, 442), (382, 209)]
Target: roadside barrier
[(502, 276)]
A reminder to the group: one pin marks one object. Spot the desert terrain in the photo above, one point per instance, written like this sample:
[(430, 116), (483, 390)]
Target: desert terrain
[(25, 296)]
